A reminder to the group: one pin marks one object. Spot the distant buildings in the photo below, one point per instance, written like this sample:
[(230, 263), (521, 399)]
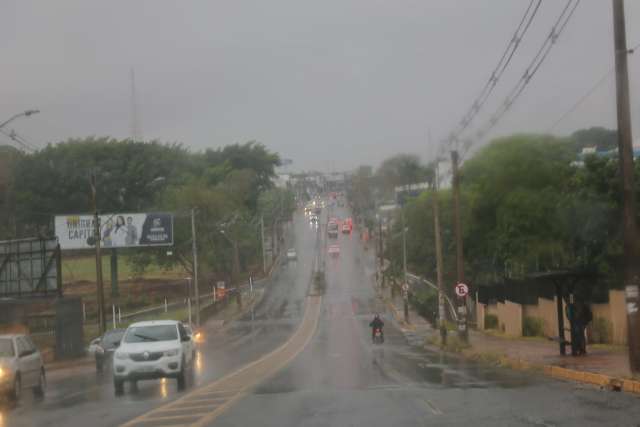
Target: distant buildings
[(610, 154)]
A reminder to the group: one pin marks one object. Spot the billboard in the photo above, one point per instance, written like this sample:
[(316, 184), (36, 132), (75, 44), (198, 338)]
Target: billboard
[(29, 267), (120, 230)]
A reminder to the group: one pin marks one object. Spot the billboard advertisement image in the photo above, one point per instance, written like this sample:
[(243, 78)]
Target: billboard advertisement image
[(120, 230)]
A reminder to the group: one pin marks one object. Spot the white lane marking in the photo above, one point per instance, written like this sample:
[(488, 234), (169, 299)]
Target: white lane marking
[(434, 409)]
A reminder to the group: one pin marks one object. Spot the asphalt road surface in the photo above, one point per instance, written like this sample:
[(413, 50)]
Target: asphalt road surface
[(339, 378)]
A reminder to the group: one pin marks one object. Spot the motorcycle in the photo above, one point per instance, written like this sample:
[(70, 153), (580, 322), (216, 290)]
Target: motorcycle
[(378, 336)]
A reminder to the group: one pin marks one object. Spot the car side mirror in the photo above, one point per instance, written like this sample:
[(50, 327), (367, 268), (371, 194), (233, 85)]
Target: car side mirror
[(116, 344), (186, 338), (26, 353)]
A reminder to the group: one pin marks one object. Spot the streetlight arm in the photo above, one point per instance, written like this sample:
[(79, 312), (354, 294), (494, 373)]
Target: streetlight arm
[(15, 116)]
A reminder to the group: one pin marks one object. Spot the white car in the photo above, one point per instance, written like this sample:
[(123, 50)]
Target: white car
[(20, 366), (292, 255), (153, 349)]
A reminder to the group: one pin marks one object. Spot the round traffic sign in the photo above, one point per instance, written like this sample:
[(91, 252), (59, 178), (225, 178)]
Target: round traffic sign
[(462, 290)]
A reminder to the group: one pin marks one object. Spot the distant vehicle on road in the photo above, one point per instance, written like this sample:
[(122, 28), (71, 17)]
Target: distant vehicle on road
[(314, 218), (151, 350), (334, 250), (292, 255), (332, 229), (106, 346), (21, 366), (346, 228)]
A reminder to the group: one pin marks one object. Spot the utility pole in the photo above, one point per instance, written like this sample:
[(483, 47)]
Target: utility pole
[(462, 301), (194, 247), (436, 226), (381, 251), (96, 236), (264, 250), (405, 283), (625, 155), (236, 272)]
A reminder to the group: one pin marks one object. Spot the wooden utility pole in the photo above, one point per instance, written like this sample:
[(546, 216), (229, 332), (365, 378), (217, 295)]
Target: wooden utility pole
[(462, 301), (102, 324), (194, 248), (436, 226), (625, 155), (264, 250)]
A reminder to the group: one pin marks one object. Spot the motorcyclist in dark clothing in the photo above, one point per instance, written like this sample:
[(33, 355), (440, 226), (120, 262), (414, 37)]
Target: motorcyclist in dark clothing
[(376, 323)]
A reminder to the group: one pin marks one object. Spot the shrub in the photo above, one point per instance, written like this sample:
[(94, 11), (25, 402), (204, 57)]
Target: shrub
[(490, 321), (601, 331), (532, 327)]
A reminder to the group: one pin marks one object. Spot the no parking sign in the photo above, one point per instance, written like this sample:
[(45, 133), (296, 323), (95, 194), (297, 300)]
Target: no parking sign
[(462, 290)]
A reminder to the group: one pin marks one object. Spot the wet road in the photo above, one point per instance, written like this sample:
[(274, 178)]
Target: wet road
[(78, 397), (340, 378)]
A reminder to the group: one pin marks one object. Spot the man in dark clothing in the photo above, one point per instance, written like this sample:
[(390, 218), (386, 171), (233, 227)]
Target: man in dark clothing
[(583, 316), (376, 323)]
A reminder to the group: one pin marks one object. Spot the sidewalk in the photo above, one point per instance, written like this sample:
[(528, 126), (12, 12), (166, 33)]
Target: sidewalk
[(600, 359), (604, 366)]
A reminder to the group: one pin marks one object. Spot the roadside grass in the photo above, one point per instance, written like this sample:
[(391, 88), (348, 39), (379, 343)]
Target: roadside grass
[(84, 269)]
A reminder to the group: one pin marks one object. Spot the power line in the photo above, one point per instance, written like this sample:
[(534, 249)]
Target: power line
[(533, 67), (589, 92), (499, 69)]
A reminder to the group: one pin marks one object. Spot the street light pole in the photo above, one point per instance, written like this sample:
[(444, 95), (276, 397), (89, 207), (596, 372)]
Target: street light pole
[(439, 266), (26, 113), (194, 248)]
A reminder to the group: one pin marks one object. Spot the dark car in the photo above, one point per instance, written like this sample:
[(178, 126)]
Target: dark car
[(108, 344)]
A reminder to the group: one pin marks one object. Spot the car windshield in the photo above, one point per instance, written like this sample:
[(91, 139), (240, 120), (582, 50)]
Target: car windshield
[(151, 333), (6, 347)]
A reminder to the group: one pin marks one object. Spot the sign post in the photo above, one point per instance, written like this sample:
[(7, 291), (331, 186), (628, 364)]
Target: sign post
[(462, 290)]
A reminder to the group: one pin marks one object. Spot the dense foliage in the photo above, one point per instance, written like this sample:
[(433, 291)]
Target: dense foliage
[(526, 204), (231, 188)]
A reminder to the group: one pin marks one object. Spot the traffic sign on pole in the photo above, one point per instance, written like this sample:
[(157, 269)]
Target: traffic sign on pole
[(462, 290)]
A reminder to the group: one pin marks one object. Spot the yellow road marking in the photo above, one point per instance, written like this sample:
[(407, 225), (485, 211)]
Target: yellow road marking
[(234, 385)]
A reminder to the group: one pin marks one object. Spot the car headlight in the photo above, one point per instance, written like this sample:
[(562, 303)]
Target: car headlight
[(171, 353), (122, 355), (99, 349), (3, 373)]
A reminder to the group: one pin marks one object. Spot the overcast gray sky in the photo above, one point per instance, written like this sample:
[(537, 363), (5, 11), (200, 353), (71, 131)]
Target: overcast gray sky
[(330, 84)]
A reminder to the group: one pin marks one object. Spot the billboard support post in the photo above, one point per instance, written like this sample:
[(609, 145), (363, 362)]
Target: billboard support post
[(96, 236), (114, 273)]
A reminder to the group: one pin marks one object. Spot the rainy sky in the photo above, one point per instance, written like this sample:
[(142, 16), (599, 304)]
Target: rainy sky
[(329, 84)]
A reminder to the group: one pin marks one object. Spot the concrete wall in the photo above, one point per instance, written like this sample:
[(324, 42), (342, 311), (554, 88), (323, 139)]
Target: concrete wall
[(614, 312), (510, 318), (480, 310)]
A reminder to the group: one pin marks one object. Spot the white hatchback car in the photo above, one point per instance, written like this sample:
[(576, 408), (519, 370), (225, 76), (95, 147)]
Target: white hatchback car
[(151, 350), (20, 366)]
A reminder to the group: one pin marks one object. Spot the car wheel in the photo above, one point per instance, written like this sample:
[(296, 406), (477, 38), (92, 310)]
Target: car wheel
[(17, 388), (38, 391), (181, 377), (118, 386)]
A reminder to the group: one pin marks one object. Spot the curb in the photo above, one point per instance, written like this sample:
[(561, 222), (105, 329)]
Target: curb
[(605, 381)]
